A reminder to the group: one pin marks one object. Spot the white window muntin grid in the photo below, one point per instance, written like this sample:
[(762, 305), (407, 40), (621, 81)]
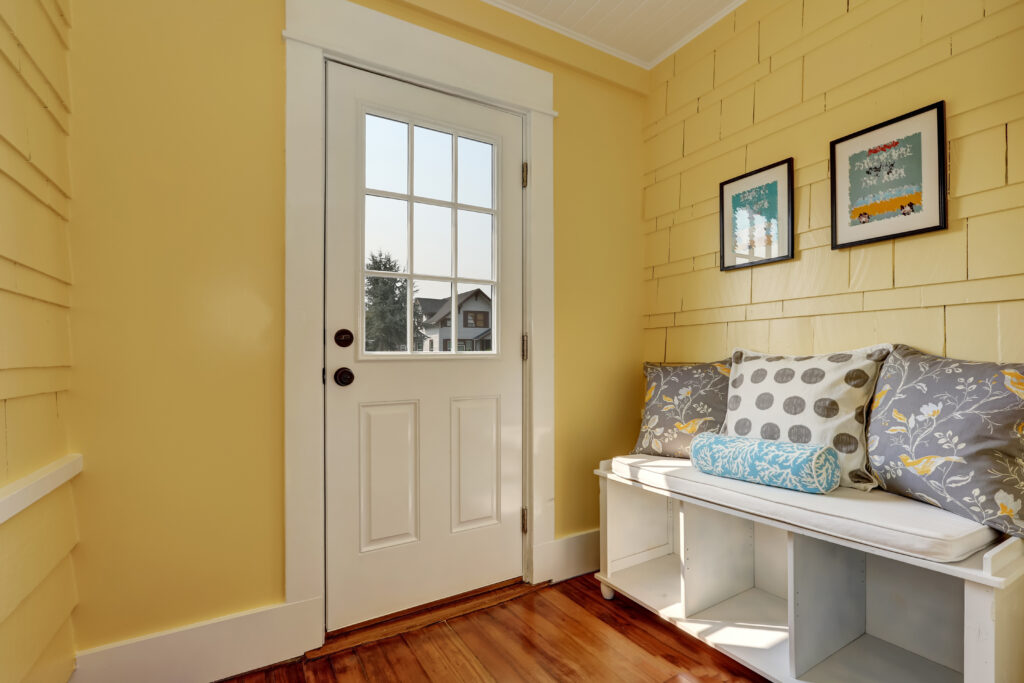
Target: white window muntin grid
[(412, 121)]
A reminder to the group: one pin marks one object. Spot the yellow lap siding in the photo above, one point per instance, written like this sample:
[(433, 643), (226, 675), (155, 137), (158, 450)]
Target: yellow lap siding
[(32, 543), (35, 434), (825, 70), (33, 333), (57, 662), (26, 633)]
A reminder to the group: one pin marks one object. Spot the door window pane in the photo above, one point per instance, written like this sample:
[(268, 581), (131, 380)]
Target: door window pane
[(475, 245), (475, 163), (432, 164), (385, 307), (429, 274), (432, 316), (387, 154), (432, 239), (386, 234), (475, 317)]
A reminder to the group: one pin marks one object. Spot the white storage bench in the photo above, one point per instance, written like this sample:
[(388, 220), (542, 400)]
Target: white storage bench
[(851, 586)]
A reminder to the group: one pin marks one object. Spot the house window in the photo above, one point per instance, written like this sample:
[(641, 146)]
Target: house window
[(446, 345), (476, 319)]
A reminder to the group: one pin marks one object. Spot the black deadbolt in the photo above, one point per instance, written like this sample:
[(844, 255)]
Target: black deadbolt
[(343, 377), (344, 337)]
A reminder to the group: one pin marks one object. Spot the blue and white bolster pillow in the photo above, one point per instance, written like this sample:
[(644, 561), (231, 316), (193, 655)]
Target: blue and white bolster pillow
[(801, 467)]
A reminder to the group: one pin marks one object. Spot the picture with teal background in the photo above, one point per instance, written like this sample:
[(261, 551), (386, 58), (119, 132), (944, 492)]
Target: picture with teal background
[(755, 222), (886, 181)]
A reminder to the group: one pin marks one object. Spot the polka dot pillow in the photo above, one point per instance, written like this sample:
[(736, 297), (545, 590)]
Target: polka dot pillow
[(807, 399)]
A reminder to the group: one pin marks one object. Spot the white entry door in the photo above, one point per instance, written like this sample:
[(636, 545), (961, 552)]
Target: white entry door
[(423, 317)]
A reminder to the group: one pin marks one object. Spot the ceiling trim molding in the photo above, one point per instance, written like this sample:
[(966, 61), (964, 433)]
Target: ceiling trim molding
[(568, 33), (607, 49)]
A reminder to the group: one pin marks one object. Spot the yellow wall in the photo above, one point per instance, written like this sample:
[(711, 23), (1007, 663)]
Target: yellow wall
[(37, 586), (178, 243), (782, 78)]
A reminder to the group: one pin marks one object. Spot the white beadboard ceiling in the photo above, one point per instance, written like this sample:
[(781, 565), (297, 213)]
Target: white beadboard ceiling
[(643, 32)]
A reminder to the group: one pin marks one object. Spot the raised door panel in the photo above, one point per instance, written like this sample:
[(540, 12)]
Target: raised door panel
[(475, 458), (389, 474)]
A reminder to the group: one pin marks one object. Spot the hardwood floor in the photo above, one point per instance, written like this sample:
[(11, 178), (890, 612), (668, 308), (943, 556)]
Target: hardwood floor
[(564, 632)]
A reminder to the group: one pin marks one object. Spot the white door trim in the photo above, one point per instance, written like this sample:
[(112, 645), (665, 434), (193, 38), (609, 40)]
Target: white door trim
[(318, 30)]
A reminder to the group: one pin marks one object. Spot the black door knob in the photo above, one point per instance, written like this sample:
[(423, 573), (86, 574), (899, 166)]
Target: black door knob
[(344, 337), (344, 376)]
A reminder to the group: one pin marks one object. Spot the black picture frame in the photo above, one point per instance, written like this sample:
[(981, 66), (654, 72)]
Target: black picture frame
[(785, 223), (933, 186)]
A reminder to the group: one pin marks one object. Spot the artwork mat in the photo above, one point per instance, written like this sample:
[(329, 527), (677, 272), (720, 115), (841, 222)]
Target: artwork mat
[(930, 122), (780, 172)]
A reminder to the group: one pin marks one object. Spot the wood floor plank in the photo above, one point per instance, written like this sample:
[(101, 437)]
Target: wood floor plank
[(289, 673), (319, 671), (659, 642), (704, 661), (444, 656), (411, 622), (579, 641), (252, 677), (601, 639), (559, 655), (505, 654), (347, 667), (390, 660)]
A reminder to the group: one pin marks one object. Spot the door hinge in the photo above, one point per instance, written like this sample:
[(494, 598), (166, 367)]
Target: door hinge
[(526, 347), (525, 520), (323, 376), (526, 173)]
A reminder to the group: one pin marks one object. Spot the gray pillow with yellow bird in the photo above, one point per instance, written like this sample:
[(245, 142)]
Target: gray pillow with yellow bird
[(951, 433), (680, 402)]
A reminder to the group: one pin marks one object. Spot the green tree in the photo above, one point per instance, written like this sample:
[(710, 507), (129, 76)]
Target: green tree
[(386, 301)]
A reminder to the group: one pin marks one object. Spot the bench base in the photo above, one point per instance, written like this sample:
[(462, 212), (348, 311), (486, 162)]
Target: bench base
[(796, 607)]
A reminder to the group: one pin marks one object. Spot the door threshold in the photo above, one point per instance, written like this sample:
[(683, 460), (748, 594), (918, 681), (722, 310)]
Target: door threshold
[(423, 615)]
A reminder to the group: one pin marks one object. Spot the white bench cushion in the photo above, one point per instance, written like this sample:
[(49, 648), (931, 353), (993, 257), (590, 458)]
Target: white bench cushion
[(876, 518)]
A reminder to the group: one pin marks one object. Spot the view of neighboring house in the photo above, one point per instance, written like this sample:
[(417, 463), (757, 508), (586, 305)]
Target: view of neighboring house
[(474, 317)]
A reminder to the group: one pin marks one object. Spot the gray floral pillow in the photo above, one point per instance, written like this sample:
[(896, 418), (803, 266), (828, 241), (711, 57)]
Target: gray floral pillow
[(681, 401), (951, 433)]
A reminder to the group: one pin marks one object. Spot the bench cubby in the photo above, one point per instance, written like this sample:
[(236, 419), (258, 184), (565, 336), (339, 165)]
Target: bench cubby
[(797, 605)]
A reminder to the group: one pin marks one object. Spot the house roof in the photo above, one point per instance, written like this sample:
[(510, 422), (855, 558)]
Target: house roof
[(446, 306), (430, 306)]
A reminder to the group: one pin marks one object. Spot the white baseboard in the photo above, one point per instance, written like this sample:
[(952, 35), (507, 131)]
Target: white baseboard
[(566, 557), (209, 650)]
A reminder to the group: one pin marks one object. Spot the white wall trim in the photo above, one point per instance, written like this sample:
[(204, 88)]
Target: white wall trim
[(318, 30), (569, 556), (209, 650), (21, 493)]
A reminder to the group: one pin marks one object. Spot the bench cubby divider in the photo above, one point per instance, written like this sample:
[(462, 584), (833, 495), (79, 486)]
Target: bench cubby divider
[(827, 611)]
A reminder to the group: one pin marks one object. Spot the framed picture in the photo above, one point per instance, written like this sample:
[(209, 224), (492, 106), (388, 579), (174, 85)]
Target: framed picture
[(756, 217), (889, 180)]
